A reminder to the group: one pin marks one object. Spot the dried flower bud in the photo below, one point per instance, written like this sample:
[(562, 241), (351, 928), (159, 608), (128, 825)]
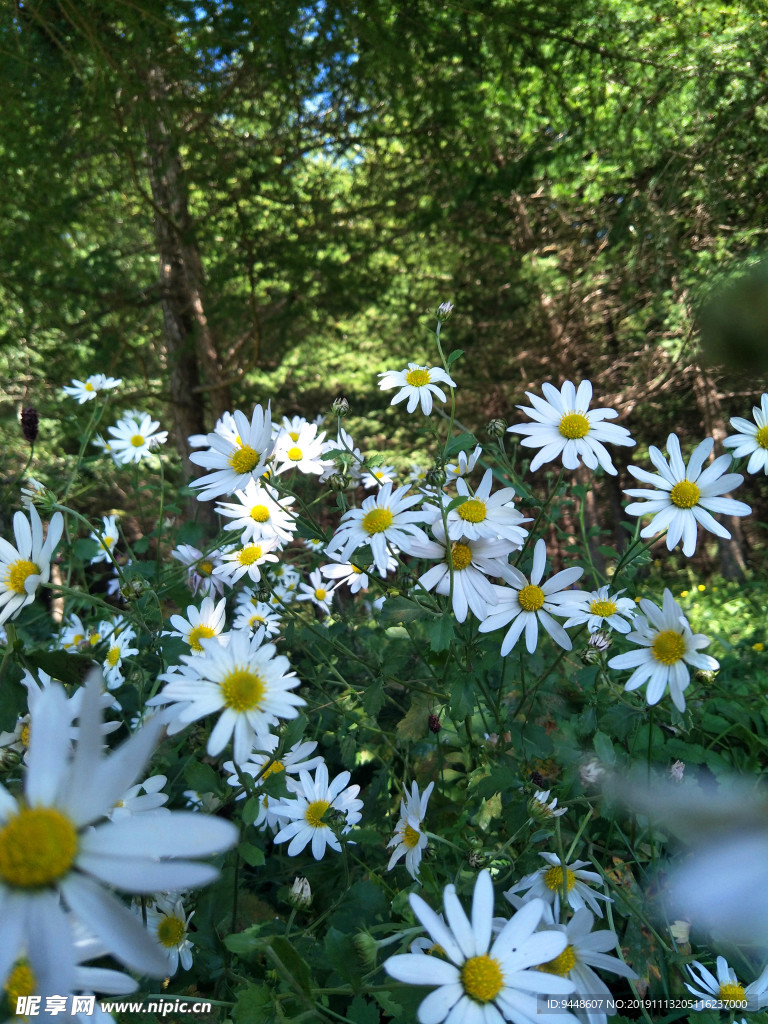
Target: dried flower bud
[(434, 723), (496, 427), (29, 423), (340, 407), (537, 779), (476, 859)]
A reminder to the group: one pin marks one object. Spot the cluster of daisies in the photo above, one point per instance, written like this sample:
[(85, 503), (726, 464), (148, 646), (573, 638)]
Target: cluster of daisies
[(63, 838)]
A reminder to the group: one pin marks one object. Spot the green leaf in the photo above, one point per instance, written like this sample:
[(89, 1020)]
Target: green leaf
[(400, 609), (460, 499), (201, 777), (462, 443), (67, 668), (251, 810), (362, 1012), (373, 699), (253, 1004), (453, 356), (440, 633), (604, 748), (251, 854), (292, 962), (462, 699)]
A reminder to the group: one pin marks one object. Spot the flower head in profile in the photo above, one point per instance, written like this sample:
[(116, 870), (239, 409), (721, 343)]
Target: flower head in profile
[(526, 603), (57, 850), (685, 496), (86, 390), (233, 461), (666, 647), (134, 437), (107, 540), (482, 980), (566, 426), (24, 567), (409, 841), (306, 812), (418, 384), (752, 439), (247, 681)]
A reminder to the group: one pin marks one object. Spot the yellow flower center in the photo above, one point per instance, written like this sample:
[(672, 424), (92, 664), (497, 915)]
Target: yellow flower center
[(255, 621), (320, 594), (410, 837), (377, 521), (273, 769), (89, 386), (472, 511), (243, 690), (205, 568), (260, 513), (553, 879), (732, 992), (195, 635), (37, 847), (461, 555), (294, 435), (531, 598), (668, 646), (171, 931), (685, 494), (18, 573), (295, 454), (314, 813), (762, 437), (113, 656), (482, 978), (562, 965), (24, 735), (250, 554), (20, 982), (137, 440), (243, 459), (417, 378), (573, 426), (603, 608)]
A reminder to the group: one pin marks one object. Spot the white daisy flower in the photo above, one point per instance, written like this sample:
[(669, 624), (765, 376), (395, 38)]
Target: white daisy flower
[(382, 520), (317, 592), (235, 461), (168, 924), (303, 453), (548, 884), (200, 624), (566, 426), (85, 390), (685, 496), (200, 569), (134, 437), (226, 427), (32, 492), (75, 636), (260, 513), (418, 384), (286, 585), (145, 797), (56, 850), (246, 561), (353, 458), (600, 609), (24, 567), (119, 648), (752, 439), (541, 809), (109, 537), (667, 647), (409, 841), (252, 614), (306, 809), (473, 561), (527, 603), (586, 949), (482, 980), (246, 681), (486, 515), (378, 476), (353, 575), (262, 763), (726, 987), (464, 464)]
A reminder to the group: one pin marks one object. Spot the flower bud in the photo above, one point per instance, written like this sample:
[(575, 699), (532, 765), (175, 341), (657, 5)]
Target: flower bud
[(338, 482), (434, 723), (366, 948), (340, 407), (436, 476), (496, 427), (444, 311), (300, 895)]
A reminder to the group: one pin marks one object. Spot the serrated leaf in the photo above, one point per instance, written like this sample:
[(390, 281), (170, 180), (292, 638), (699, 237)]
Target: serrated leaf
[(251, 854), (462, 699), (604, 748), (440, 633), (362, 1012), (348, 749), (67, 668), (415, 723), (201, 777), (374, 459), (373, 699)]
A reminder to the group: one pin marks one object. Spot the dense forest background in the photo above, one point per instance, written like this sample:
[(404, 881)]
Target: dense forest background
[(230, 203)]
